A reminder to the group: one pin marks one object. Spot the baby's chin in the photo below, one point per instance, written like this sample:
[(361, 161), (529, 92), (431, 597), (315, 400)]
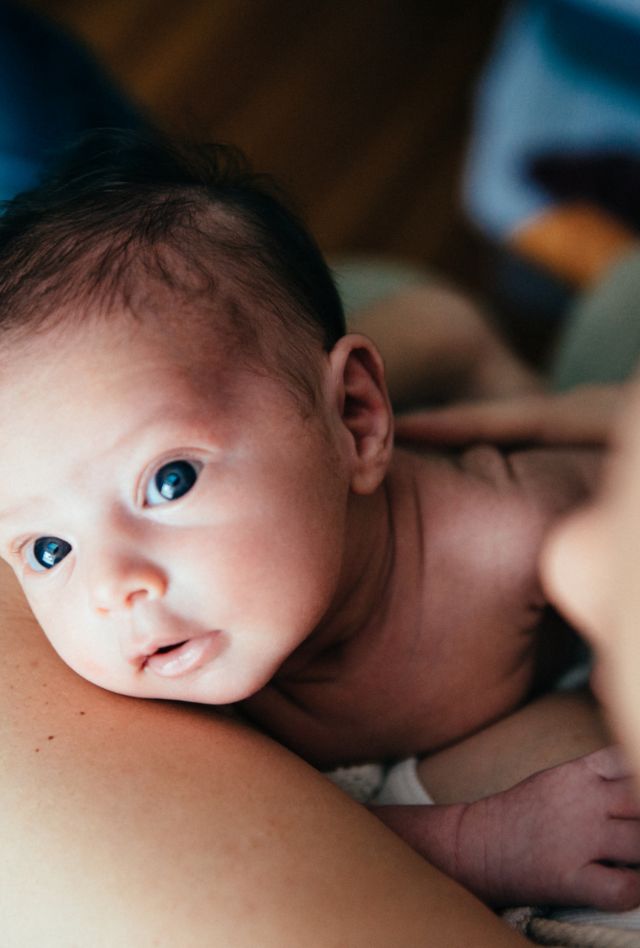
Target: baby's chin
[(213, 689), (207, 669)]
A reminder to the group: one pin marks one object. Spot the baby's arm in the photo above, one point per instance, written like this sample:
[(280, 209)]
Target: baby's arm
[(511, 837), (567, 835)]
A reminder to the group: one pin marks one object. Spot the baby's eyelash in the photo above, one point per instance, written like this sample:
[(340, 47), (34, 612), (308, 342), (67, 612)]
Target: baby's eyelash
[(24, 551), (16, 548)]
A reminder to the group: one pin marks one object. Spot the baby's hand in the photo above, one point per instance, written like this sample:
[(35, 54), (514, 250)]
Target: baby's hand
[(567, 836), (564, 836)]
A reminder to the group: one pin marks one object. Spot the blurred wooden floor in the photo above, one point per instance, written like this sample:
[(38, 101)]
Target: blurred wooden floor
[(360, 107)]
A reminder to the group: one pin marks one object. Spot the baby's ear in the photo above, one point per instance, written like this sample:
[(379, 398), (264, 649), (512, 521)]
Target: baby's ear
[(361, 398)]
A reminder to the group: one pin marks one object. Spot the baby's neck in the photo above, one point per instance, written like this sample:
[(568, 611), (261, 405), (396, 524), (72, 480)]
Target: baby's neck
[(384, 541)]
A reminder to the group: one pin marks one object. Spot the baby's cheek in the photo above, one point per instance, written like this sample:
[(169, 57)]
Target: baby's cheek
[(63, 627), (43, 609), (83, 661)]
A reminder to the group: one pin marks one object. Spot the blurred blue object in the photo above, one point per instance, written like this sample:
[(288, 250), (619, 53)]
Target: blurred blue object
[(563, 82), (51, 90)]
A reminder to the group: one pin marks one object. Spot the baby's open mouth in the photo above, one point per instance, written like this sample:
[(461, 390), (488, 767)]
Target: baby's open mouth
[(179, 658), (168, 648)]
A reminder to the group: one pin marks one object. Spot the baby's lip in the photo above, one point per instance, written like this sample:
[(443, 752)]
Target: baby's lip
[(144, 644), (184, 656)]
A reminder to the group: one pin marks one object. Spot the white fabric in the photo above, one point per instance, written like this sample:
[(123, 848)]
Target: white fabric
[(402, 785), (371, 783), (586, 916), (361, 781)]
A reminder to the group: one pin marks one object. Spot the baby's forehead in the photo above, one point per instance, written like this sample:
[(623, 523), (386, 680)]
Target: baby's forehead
[(115, 369), (95, 398), (157, 317), (191, 345)]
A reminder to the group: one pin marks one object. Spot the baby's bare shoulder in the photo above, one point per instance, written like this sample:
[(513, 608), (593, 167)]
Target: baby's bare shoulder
[(482, 506), (454, 645)]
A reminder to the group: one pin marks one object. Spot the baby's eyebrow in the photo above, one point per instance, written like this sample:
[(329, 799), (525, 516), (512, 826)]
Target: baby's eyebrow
[(157, 420), (11, 513)]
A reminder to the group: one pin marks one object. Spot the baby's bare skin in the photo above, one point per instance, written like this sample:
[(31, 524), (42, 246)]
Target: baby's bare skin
[(416, 574), (562, 836), (448, 569), (459, 537)]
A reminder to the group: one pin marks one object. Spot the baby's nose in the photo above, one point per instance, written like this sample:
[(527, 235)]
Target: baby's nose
[(122, 582)]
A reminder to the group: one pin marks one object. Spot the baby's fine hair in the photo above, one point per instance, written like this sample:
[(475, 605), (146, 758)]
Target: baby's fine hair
[(122, 209)]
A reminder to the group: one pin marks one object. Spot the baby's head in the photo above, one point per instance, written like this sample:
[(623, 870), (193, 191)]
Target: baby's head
[(185, 426)]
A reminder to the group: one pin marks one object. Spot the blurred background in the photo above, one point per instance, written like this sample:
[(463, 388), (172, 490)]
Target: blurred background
[(360, 107), (493, 142)]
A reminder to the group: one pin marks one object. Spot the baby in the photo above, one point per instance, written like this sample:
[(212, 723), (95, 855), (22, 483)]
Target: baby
[(201, 502)]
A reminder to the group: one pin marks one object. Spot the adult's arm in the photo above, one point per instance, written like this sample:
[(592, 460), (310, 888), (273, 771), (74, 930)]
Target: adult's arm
[(138, 822), (582, 416)]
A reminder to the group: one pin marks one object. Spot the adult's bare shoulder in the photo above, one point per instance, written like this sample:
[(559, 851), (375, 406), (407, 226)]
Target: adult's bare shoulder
[(137, 822), (12, 601)]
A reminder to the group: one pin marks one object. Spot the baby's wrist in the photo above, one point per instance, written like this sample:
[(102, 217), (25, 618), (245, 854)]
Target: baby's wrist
[(435, 832), (476, 844)]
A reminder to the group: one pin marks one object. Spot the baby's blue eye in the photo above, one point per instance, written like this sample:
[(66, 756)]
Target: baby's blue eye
[(171, 481), (47, 552)]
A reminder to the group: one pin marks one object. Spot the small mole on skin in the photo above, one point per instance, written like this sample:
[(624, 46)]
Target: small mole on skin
[(37, 750), (82, 712), (51, 737)]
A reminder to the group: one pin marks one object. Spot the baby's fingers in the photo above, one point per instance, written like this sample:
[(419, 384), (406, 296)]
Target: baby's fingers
[(607, 887), (608, 763), (621, 800), (620, 842), (619, 793)]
